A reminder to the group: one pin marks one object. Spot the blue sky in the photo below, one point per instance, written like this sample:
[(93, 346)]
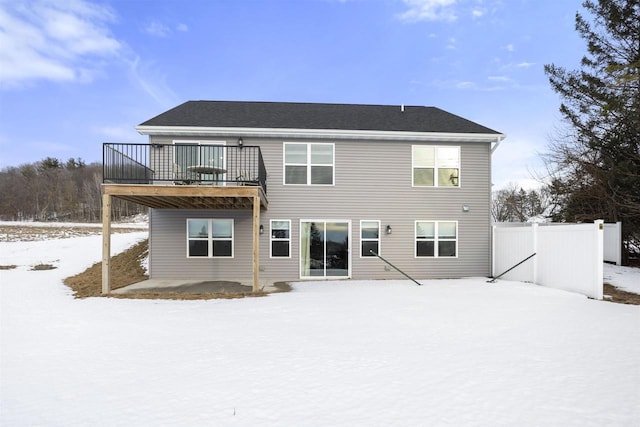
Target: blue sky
[(76, 73)]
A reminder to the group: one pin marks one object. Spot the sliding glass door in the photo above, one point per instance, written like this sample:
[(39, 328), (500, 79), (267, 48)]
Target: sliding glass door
[(324, 248), (191, 156)]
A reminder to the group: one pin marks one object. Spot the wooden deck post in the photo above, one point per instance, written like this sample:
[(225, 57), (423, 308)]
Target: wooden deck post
[(106, 243), (256, 243)]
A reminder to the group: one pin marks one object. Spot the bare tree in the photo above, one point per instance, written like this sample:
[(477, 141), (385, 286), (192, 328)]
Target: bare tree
[(54, 190), (514, 204)]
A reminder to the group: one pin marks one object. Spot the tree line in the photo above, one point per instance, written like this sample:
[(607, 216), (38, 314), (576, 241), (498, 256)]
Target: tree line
[(54, 190), (514, 204)]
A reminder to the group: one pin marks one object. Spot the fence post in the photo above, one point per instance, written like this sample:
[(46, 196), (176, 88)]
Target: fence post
[(599, 259), (619, 245), (534, 249), (493, 251)]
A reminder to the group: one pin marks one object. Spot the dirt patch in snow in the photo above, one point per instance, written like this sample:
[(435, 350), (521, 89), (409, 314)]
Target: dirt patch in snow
[(126, 269), (619, 296)]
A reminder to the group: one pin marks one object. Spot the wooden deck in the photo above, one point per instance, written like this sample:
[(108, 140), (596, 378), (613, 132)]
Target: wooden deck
[(189, 196), (182, 197)]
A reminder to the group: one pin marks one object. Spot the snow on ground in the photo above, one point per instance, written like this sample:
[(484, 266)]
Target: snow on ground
[(625, 278), (351, 353)]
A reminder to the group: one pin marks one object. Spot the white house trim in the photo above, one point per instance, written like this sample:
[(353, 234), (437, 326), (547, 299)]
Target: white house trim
[(318, 133)]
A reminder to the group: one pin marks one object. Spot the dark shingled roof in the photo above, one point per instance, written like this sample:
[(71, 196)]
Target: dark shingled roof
[(292, 115)]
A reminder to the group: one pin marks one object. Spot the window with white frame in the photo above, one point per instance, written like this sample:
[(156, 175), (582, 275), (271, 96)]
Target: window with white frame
[(209, 238), (369, 238), (308, 163), (280, 238), (436, 166), (436, 239)]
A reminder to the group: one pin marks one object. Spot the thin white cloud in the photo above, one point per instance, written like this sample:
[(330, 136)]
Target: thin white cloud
[(465, 85), (57, 41), (525, 64), (147, 78), (69, 41), (499, 79), (477, 13), (509, 48), (157, 29), (429, 10)]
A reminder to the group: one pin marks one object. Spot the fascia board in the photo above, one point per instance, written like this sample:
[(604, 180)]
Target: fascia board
[(316, 133)]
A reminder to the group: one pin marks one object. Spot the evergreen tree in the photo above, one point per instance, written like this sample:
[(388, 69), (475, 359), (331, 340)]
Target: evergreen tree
[(596, 168)]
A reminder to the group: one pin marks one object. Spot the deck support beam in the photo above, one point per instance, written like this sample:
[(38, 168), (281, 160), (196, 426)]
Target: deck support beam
[(256, 243), (106, 244)]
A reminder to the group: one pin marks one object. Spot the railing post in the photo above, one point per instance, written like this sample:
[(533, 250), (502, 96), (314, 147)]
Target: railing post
[(256, 244)]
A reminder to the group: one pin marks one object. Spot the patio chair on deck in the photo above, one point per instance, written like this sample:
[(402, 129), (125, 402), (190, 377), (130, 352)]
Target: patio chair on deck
[(183, 178), (244, 178)]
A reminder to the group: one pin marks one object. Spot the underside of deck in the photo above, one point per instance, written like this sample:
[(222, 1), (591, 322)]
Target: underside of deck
[(182, 197), (189, 196)]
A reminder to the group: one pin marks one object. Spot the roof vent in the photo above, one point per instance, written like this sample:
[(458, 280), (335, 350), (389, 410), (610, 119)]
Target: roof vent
[(402, 108)]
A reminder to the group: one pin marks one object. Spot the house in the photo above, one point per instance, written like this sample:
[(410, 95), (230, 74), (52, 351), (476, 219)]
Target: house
[(295, 191)]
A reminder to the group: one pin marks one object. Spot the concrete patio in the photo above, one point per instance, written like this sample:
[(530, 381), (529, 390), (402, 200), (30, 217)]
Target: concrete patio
[(186, 286)]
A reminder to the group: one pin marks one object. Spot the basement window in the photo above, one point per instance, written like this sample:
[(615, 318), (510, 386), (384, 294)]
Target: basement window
[(436, 239), (280, 238), (209, 238)]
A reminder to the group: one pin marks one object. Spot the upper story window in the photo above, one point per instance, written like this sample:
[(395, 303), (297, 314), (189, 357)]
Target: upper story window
[(436, 166), (309, 164)]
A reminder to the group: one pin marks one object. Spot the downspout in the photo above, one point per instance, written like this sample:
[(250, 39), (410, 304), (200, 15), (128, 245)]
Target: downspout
[(498, 141)]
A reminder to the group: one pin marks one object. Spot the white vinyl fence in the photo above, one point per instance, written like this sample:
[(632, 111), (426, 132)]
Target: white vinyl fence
[(568, 256), (613, 243)]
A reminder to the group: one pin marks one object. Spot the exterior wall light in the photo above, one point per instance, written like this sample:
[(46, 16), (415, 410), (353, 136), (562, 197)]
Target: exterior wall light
[(261, 229), (389, 229), (240, 143), (465, 208)]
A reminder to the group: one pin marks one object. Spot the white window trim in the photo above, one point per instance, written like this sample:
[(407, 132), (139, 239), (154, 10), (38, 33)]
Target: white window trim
[(308, 164), (435, 166), (272, 239), (300, 249), (210, 239), (199, 142), (435, 239), (379, 240)]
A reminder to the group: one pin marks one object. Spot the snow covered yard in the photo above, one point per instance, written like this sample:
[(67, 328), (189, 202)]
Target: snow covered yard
[(352, 353)]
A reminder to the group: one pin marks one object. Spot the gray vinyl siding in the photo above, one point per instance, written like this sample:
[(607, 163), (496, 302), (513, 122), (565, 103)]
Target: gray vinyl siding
[(168, 246), (372, 182)]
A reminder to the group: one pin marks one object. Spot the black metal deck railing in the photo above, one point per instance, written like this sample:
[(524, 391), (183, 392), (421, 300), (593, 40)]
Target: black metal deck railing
[(183, 164)]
